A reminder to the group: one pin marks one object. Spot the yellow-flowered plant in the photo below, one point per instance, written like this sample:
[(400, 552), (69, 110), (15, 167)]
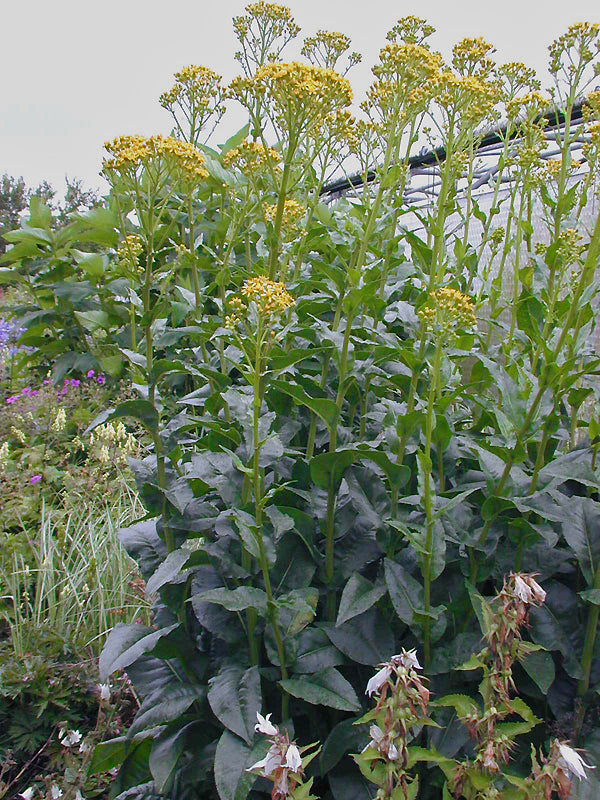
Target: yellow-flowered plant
[(297, 95), (447, 310), (472, 57), (271, 299), (251, 157), (263, 32), (159, 153), (325, 48), (128, 253), (195, 98), (293, 211)]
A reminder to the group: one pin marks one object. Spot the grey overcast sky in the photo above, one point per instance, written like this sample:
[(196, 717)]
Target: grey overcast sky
[(78, 72)]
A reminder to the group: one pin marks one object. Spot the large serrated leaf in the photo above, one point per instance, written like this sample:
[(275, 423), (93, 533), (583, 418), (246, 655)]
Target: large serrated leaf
[(326, 688), (235, 698), (358, 596)]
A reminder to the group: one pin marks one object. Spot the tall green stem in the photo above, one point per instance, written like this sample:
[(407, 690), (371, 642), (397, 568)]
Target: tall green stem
[(258, 510), (427, 558)]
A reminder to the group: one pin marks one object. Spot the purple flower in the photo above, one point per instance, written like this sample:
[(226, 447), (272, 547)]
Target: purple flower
[(46, 382), (35, 479), (34, 393), (11, 400), (90, 373), (75, 382), (101, 379)]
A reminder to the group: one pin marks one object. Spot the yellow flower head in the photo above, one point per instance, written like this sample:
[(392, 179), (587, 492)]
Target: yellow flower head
[(446, 310), (300, 94), (469, 96), (270, 297), (129, 251), (529, 106), (411, 30), (472, 57), (251, 157), (325, 48), (579, 43), (129, 153), (292, 213)]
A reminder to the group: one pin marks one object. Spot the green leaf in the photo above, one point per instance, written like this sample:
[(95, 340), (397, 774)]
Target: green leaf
[(406, 593), (168, 570), (345, 737), (93, 320), (236, 599), (142, 410), (235, 140), (94, 264), (464, 705), (125, 644), (366, 639), (540, 668), (581, 529), (235, 697), (232, 758), (165, 705), (358, 596), (166, 751), (109, 754), (591, 596), (321, 406), (315, 652), (327, 688), (331, 466)]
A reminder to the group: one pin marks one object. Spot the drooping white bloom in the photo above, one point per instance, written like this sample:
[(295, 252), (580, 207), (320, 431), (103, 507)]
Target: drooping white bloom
[(78, 795), (104, 689), (376, 735), (292, 758), (377, 681), (528, 589), (408, 659), (28, 793), (84, 747), (522, 590), (55, 792), (269, 763), (393, 752), (572, 761), (265, 726)]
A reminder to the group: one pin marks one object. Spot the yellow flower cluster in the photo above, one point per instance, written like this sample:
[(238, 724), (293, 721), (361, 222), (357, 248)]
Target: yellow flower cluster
[(446, 310), (195, 83), (326, 47), (292, 212), (472, 57), (251, 157), (470, 97), (272, 20), (129, 252), (407, 62), (271, 297), (411, 30), (591, 107), (130, 152), (581, 37), (300, 93), (569, 248), (591, 148), (530, 105)]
